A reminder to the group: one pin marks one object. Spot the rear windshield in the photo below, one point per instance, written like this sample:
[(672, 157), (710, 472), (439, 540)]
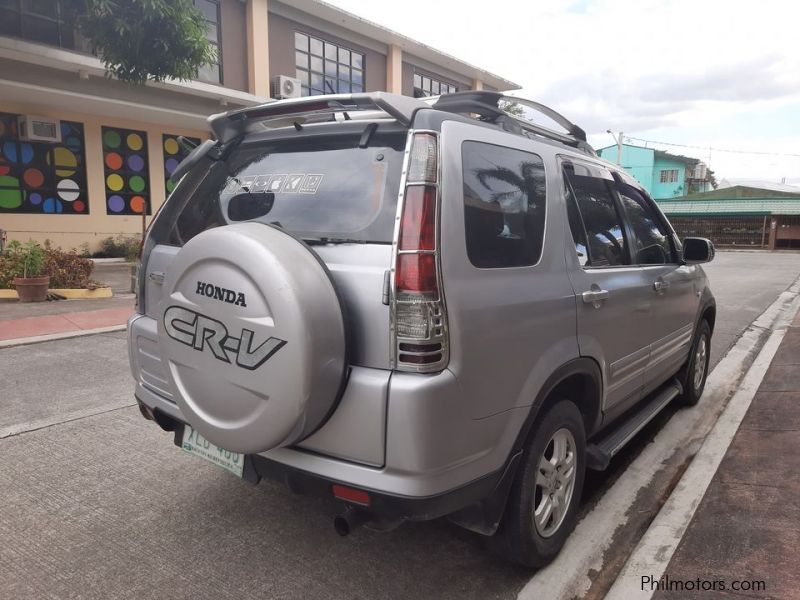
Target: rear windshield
[(317, 189)]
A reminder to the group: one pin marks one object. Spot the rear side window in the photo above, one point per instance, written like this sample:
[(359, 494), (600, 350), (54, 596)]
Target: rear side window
[(652, 245), (504, 205), (314, 188), (601, 240)]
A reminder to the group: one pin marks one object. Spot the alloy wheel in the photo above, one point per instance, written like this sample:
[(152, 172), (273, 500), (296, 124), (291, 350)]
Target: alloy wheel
[(555, 482)]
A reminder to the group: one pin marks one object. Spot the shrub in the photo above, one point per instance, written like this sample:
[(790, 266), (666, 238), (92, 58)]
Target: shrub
[(68, 269), (122, 246), (21, 260)]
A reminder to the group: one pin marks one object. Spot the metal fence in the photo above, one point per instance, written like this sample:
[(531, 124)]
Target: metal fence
[(739, 231)]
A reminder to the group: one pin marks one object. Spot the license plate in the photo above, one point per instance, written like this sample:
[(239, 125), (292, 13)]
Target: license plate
[(197, 445)]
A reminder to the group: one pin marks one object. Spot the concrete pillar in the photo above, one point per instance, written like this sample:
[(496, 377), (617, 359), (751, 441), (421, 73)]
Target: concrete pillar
[(477, 85), (773, 232), (258, 47), (394, 69)]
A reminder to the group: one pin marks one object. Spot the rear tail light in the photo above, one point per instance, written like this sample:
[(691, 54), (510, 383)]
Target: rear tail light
[(420, 332)]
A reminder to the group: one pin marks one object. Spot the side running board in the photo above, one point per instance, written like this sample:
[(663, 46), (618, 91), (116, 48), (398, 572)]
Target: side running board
[(600, 453)]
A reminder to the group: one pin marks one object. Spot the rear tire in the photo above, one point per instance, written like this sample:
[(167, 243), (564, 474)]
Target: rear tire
[(546, 493), (694, 373)]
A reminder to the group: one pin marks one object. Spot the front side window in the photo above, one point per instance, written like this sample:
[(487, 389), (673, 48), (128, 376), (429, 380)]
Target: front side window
[(602, 238), (326, 68), (43, 21), (430, 86), (210, 8), (504, 205), (668, 176), (652, 245)]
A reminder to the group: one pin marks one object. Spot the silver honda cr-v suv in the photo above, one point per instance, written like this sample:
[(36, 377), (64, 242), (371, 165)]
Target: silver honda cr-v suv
[(421, 308)]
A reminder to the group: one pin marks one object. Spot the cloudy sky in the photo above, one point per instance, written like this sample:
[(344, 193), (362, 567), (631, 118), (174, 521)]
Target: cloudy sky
[(695, 72)]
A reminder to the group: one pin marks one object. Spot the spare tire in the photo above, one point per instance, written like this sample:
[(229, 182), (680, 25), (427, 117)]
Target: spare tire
[(253, 334)]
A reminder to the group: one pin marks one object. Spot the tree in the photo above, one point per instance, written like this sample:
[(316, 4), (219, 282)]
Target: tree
[(711, 178), (141, 40)]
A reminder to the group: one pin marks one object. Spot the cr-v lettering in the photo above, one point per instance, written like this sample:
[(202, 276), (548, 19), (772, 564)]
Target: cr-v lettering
[(201, 332), (478, 309)]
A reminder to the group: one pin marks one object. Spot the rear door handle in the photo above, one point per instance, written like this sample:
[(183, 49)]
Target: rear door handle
[(660, 285), (595, 297)]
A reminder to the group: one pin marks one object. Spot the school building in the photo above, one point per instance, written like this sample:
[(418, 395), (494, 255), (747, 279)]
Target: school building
[(83, 156)]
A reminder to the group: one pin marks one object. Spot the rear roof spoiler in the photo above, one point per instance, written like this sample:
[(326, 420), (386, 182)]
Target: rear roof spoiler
[(227, 126), (495, 106)]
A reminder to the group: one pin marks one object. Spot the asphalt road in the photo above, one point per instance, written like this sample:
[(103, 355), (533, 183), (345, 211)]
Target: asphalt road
[(95, 502)]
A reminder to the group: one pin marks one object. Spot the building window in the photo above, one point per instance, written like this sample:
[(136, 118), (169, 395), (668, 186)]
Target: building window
[(325, 68), (210, 8), (42, 177), (43, 21), (126, 171), (428, 86), (174, 153), (669, 176)]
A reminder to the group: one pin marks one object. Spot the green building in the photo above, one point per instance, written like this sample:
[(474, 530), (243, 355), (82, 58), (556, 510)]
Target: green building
[(742, 216), (662, 174)]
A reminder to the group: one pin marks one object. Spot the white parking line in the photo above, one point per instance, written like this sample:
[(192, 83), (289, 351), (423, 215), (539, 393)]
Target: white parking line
[(584, 555), (654, 551)]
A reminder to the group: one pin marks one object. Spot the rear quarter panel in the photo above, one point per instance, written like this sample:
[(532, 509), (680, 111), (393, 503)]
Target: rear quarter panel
[(510, 328)]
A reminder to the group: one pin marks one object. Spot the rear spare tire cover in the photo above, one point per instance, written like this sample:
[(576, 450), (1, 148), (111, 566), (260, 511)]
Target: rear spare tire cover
[(253, 335)]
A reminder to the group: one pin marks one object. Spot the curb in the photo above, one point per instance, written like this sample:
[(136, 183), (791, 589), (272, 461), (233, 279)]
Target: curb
[(59, 336), (108, 261), (68, 293)]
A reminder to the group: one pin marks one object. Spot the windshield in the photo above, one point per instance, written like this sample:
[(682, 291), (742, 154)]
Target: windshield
[(318, 189)]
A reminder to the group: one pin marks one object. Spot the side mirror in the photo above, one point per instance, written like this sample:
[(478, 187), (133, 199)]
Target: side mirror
[(697, 251), (247, 206)]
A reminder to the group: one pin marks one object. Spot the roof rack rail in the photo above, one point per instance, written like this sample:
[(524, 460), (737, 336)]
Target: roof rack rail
[(229, 125), (496, 107)]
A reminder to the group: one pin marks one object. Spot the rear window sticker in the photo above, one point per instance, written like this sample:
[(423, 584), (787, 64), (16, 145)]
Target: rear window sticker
[(310, 184), (260, 183), (293, 182), (277, 182)]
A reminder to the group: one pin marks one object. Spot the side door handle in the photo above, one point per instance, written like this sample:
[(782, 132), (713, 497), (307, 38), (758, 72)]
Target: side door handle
[(595, 297), (660, 285)]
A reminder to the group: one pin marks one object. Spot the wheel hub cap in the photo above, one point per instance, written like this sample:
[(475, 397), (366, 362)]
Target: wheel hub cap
[(555, 481), (700, 363)]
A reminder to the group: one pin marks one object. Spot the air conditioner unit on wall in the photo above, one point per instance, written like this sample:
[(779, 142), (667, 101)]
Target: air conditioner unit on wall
[(39, 129), (285, 87)]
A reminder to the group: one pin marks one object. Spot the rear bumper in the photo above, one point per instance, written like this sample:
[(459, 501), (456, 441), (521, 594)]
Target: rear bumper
[(417, 440), (382, 505)]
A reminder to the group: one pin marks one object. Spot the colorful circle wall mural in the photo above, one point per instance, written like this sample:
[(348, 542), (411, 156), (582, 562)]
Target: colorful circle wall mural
[(42, 177), (174, 153), (126, 173)]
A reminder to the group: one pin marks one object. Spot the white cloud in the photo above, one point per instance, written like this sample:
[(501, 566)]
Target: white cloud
[(693, 71)]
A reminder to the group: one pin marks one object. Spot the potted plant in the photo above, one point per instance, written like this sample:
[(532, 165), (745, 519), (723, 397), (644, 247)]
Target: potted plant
[(27, 262)]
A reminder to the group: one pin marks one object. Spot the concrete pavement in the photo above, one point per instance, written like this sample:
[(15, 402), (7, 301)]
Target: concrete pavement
[(43, 320), (746, 531)]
